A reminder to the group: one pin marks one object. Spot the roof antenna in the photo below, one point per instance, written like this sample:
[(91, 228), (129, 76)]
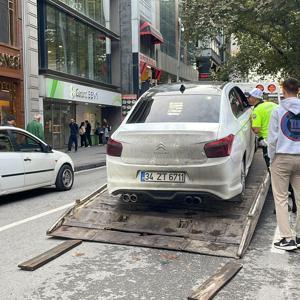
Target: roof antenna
[(182, 88)]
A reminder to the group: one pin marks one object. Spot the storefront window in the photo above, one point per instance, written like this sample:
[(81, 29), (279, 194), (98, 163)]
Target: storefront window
[(93, 9), (74, 47)]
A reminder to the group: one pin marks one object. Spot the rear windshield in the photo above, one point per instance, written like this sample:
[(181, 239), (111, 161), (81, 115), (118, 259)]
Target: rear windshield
[(182, 108)]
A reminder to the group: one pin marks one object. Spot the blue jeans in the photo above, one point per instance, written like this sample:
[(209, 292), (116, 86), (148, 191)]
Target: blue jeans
[(72, 140)]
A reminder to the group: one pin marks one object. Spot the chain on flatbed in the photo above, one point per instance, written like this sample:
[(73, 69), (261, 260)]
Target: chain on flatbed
[(213, 227)]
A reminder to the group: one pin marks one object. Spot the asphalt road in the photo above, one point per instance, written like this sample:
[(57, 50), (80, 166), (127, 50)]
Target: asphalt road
[(101, 271)]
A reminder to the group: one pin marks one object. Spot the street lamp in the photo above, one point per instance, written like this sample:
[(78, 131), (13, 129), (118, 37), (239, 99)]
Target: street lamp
[(181, 29)]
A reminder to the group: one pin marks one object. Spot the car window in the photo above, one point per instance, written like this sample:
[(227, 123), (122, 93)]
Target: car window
[(235, 103), (5, 142), (24, 143), (177, 108), (242, 98)]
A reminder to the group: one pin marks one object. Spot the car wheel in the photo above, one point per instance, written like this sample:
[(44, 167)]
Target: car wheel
[(65, 178)]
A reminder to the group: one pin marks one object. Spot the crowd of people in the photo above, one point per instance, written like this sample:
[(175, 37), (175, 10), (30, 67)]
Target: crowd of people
[(84, 130)]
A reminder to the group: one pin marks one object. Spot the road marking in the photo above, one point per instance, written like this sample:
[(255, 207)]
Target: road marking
[(49, 212), (93, 169)]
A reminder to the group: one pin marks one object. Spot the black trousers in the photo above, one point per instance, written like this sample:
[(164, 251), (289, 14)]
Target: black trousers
[(100, 138), (83, 140), (88, 136), (72, 140)]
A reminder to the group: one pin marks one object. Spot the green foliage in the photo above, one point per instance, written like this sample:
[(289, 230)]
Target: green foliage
[(267, 32)]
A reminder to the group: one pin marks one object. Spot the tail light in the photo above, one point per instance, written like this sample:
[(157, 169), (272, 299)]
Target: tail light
[(114, 148), (219, 148)]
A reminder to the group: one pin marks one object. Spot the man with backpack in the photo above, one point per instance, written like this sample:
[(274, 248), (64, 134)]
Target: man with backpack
[(284, 153)]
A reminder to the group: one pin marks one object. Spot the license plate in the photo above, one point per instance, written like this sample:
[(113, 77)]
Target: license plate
[(149, 176)]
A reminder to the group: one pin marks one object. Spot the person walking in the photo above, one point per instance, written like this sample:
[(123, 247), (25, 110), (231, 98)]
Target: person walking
[(261, 115), (82, 135), (73, 135), (88, 130), (284, 153), (36, 128)]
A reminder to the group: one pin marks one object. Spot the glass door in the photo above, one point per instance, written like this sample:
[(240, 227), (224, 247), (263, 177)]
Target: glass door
[(57, 118), (5, 106)]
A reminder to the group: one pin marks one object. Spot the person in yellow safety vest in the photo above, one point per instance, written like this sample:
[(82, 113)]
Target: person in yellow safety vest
[(261, 116)]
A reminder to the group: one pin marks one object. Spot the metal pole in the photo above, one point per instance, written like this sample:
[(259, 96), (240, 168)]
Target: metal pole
[(179, 48)]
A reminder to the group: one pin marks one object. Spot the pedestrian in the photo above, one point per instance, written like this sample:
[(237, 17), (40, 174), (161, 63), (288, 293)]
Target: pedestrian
[(261, 115), (99, 132), (10, 121), (73, 135), (284, 153), (106, 129), (82, 135), (88, 130), (36, 128)]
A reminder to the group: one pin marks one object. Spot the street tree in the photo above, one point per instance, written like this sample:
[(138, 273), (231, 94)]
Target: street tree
[(267, 32)]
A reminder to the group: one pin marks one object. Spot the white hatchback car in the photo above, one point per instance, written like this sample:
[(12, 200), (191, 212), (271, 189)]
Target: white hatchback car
[(190, 139), (28, 163)]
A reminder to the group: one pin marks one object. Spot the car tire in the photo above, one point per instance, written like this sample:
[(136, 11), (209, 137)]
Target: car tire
[(65, 178)]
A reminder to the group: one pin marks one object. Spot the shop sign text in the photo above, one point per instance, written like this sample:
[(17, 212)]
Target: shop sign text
[(10, 61), (76, 93)]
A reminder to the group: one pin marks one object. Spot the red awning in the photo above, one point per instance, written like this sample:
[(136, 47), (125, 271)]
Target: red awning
[(146, 29)]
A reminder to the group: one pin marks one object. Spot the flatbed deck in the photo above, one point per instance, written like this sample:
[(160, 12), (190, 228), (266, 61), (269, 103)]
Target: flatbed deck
[(220, 228)]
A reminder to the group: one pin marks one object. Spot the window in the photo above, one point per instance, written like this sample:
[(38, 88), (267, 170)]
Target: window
[(24, 143), (181, 108), (235, 103), (12, 21), (168, 27), (5, 142), (75, 48), (93, 9), (8, 22)]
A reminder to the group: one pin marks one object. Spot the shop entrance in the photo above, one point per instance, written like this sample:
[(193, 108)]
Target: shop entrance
[(56, 119), (5, 106)]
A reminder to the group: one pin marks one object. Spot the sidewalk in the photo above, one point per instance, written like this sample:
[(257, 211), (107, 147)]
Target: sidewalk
[(88, 158)]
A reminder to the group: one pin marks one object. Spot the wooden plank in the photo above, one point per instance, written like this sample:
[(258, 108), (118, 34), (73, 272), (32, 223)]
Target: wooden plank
[(211, 286), (49, 255)]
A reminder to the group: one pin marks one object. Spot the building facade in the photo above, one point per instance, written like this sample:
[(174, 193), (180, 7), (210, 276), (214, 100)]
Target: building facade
[(11, 61), (211, 55), (78, 65), (149, 47)]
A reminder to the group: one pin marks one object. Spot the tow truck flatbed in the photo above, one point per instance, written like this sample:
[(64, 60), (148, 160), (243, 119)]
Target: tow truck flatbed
[(214, 227)]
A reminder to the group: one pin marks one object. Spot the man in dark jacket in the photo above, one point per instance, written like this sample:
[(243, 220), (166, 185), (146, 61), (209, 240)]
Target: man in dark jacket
[(73, 135), (88, 129)]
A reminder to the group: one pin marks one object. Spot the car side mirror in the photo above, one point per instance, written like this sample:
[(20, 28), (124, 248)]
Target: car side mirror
[(47, 148)]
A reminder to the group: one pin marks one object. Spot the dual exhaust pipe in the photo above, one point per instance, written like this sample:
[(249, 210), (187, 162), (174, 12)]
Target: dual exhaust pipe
[(129, 198), (190, 200), (193, 200)]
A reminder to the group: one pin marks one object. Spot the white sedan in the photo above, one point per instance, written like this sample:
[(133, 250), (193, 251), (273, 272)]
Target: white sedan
[(28, 163), (189, 140)]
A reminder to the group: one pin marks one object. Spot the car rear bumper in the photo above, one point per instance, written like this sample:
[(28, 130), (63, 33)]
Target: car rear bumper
[(218, 177)]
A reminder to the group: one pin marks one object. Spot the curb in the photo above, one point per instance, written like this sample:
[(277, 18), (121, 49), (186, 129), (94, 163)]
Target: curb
[(89, 166)]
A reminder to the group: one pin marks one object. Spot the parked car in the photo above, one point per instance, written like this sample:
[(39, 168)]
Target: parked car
[(187, 139), (28, 163)]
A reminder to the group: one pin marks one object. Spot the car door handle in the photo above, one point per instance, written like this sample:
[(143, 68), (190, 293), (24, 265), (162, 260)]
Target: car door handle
[(27, 159)]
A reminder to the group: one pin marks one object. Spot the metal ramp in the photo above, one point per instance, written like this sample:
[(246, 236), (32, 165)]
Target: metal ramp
[(214, 227)]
